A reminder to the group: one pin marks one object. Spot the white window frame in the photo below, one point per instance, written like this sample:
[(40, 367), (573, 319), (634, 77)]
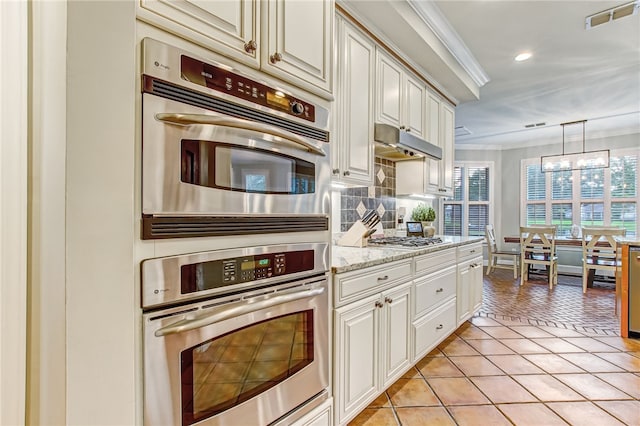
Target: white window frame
[(465, 202), (576, 199)]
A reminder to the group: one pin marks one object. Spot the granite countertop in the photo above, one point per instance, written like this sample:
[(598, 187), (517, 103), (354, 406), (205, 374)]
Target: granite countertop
[(345, 259)]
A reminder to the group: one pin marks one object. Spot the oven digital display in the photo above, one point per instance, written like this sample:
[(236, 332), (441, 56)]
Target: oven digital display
[(253, 264), (228, 272), (278, 100)]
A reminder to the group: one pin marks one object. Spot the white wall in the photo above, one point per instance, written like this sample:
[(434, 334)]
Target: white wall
[(13, 210), (46, 384), (100, 285)]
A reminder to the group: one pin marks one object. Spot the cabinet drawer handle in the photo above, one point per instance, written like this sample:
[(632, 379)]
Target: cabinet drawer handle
[(386, 277), (250, 46), (440, 327), (440, 290), (388, 300), (378, 305), (276, 57)]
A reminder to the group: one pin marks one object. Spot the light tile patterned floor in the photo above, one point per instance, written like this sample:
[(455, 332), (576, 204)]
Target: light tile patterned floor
[(503, 368)]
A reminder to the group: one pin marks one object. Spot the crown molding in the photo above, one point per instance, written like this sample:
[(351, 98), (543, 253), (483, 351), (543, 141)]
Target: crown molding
[(433, 17)]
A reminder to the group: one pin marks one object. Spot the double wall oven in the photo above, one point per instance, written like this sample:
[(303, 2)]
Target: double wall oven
[(239, 335)]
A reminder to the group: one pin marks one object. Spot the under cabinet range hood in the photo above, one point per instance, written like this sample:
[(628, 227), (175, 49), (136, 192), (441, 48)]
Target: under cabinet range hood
[(395, 144)]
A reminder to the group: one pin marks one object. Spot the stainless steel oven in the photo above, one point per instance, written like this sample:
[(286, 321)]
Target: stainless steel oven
[(235, 337), (224, 154)]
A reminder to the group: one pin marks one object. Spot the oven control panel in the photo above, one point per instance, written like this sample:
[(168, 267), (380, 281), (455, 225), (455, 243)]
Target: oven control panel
[(226, 272), (225, 81)]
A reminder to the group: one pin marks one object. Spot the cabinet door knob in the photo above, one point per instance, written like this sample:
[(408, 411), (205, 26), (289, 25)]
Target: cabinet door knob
[(276, 57), (346, 173), (388, 300), (408, 129), (440, 290), (386, 277), (402, 127), (335, 171), (378, 304), (440, 327), (250, 46)]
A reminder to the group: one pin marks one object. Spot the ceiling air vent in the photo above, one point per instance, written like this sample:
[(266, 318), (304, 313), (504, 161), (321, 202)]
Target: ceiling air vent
[(462, 131), (612, 14)]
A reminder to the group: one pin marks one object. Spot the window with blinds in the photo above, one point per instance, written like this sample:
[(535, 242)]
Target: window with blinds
[(595, 197), (468, 211)]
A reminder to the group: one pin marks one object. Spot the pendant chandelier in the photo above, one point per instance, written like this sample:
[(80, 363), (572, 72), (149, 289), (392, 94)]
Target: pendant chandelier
[(577, 160)]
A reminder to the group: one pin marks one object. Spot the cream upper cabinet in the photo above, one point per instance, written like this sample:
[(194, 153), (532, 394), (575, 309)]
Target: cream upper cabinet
[(290, 39), (447, 123), (352, 156), (433, 174), (231, 27), (399, 96), (438, 174), (297, 40)]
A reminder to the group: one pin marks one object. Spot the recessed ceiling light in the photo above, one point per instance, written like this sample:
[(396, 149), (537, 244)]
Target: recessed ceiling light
[(523, 56)]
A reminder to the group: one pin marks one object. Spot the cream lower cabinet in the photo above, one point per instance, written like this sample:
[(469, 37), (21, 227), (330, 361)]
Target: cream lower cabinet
[(372, 348), (321, 416), (434, 301), (469, 282)]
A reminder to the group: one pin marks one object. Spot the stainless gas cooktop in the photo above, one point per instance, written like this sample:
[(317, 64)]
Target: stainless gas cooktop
[(404, 242)]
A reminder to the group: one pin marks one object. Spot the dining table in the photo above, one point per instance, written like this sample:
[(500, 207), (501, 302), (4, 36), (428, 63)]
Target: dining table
[(565, 242)]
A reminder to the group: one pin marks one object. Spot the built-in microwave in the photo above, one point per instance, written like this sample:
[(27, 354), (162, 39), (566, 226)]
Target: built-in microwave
[(226, 154)]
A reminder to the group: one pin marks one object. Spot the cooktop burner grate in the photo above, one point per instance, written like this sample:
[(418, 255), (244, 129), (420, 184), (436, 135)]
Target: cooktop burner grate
[(405, 241)]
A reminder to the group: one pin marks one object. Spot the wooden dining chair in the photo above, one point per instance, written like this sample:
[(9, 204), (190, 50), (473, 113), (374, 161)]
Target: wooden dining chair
[(599, 251), (538, 247), (495, 254)]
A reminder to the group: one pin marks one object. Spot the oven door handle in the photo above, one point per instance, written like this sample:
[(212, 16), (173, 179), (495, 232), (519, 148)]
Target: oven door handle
[(235, 309), (236, 123)]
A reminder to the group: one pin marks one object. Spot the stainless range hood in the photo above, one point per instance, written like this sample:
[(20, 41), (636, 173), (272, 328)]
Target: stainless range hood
[(396, 145)]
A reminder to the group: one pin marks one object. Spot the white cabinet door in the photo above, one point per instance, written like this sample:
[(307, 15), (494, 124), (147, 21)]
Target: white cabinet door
[(414, 106), (464, 289), (433, 136), (297, 37), (230, 27), (353, 157), (356, 356), (388, 90), (395, 334), (447, 124), (477, 282)]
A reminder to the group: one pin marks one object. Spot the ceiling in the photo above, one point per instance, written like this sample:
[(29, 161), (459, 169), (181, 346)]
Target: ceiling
[(574, 73)]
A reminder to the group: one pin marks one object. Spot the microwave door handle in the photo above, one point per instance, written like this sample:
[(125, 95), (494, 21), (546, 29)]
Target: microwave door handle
[(234, 310), (188, 119)]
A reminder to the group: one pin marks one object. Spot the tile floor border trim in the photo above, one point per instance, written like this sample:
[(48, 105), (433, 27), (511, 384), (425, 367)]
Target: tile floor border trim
[(541, 322)]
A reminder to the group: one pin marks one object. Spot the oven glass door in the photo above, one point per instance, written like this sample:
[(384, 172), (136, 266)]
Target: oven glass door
[(245, 169), (226, 371), (199, 162), (242, 360)]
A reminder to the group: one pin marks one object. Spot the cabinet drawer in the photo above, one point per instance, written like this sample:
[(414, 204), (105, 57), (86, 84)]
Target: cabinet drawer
[(432, 261), (469, 250), (368, 281), (433, 289), (433, 328)]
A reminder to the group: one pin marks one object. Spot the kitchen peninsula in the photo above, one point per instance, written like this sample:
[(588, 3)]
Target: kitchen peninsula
[(391, 307)]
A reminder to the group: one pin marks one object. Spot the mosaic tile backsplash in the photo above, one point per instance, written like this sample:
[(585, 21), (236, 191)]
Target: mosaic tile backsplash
[(354, 202)]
